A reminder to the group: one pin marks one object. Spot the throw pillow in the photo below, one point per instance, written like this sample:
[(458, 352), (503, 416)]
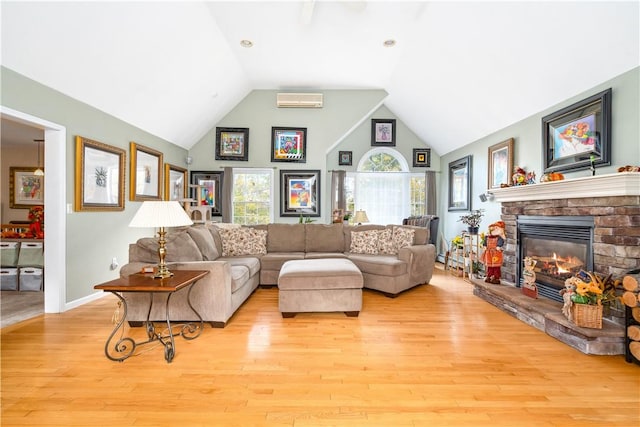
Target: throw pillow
[(243, 241), (364, 242), (402, 237), (385, 242)]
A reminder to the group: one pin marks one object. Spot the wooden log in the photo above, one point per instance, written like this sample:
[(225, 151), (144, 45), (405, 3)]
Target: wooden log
[(630, 284), (633, 332), (629, 299), (635, 313), (634, 347)]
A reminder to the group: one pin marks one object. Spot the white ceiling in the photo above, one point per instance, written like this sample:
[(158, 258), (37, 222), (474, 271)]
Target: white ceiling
[(459, 70)]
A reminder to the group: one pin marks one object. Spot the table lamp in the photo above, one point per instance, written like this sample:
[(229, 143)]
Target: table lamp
[(161, 214), (361, 216)]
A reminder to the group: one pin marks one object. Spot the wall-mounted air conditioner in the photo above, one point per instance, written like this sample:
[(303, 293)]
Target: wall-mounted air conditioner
[(299, 100)]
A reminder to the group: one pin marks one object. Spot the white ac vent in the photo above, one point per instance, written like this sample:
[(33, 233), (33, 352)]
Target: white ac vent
[(299, 100)]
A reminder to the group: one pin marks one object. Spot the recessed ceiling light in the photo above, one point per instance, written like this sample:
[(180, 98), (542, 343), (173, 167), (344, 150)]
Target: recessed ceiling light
[(246, 43), (389, 43)]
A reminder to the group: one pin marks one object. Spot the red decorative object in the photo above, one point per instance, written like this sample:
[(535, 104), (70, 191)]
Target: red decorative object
[(36, 216)]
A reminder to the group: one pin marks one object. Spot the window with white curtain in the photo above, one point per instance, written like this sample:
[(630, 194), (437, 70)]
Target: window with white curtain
[(384, 187), (253, 196)]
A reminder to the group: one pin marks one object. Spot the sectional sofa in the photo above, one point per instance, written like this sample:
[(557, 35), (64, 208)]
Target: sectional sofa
[(392, 259)]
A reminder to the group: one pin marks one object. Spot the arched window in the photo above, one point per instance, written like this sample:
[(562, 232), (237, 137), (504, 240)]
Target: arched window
[(383, 187), (383, 160)]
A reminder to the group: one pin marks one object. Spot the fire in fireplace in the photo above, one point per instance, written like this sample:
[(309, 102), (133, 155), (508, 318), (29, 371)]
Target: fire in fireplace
[(561, 247)]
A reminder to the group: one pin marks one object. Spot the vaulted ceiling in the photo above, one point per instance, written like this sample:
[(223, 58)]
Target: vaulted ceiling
[(458, 71)]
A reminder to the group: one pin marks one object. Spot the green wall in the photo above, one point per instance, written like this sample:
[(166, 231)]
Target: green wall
[(527, 133), (343, 124), (93, 238)]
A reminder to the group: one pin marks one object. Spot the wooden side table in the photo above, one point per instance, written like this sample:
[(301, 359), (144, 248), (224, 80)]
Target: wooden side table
[(139, 282)]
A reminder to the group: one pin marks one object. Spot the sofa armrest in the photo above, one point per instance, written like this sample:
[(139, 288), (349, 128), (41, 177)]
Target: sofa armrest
[(421, 260), (211, 295)]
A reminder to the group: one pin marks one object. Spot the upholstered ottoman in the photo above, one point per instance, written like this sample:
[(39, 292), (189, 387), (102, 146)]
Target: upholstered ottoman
[(320, 285)]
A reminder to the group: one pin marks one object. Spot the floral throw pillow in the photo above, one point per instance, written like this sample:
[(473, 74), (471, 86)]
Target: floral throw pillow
[(385, 242), (243, 241), (402, 237), (364, 242)]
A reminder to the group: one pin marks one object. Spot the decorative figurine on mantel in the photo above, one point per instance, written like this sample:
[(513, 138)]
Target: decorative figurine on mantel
[(492, 255)]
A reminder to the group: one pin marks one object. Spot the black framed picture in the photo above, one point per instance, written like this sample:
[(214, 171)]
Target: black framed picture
[(232, 144), (206, 190), (345, 158), (421, 157), (288, 144), (383, 132), (299, 193), (460, 184), (578, 136)]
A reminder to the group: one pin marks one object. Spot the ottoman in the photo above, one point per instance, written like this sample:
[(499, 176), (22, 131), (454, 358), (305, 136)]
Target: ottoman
[(320, 285)]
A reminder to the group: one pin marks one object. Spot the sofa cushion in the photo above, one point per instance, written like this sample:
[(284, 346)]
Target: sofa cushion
[(203, 238), (316, 255), (273, 260), (243, 241), (381, 265), (239, 277), (285, 238), (251, 262), (213, 229), (179, 245), (324, 238), (402, 237)]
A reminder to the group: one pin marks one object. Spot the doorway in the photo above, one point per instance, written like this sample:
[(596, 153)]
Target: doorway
[(55, 136)]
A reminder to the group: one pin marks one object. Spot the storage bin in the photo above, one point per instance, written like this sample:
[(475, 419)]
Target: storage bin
[(30, 279), (31, 254), (9, 251), (9, 279)]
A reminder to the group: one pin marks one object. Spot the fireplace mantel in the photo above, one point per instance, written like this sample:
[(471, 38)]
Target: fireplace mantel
[(616, 184)]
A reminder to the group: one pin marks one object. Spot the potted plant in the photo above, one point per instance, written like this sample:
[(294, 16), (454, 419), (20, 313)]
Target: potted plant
[(472, 220)]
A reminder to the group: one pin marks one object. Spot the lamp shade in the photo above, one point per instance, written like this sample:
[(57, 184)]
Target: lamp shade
[(361, 216), (160, 214)]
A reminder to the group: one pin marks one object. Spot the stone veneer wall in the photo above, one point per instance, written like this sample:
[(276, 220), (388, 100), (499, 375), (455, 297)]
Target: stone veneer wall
[(616, 246)]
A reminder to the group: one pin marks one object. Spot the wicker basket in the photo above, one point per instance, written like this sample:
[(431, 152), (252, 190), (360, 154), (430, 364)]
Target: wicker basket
[(587, 316)]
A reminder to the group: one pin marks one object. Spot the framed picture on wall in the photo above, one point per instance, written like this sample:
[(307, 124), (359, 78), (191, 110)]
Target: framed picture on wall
[(206, 189), (345, 158), (288, 144), (232, 144), (421, 157), (500, 164), (175, 182), (383, 132), (99, 176), (145, 173), (299, 193), (460, 184), (578, 136), (25, 188)]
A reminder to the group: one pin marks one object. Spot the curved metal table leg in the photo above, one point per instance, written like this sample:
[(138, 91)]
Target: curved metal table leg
[(191, 331), (124, 346)]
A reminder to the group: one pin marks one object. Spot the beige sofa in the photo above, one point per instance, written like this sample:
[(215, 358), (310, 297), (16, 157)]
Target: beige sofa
[(240, 259)]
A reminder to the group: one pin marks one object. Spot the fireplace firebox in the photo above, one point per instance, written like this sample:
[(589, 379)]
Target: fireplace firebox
[(561, 247)]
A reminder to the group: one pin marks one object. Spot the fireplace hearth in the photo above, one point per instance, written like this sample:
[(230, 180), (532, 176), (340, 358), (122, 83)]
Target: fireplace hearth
[(613, 203)]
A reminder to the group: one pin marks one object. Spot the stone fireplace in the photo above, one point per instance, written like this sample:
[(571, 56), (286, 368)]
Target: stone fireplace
[(603, 236)]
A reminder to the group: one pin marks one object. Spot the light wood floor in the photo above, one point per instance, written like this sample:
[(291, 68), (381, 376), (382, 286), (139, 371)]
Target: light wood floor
[(434, 356)]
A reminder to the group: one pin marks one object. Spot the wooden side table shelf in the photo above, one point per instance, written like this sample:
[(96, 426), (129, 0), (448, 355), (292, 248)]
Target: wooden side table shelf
[(125, 346)]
